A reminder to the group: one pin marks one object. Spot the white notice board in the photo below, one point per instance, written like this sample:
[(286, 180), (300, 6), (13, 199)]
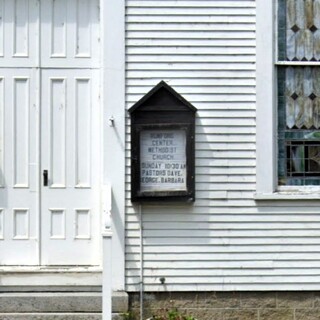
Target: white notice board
[(163, 162)]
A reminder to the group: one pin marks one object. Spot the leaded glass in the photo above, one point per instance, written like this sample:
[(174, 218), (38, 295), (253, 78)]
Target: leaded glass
[(303, 159), (299, 24), (299, 93), (299, 125), (302, 97)]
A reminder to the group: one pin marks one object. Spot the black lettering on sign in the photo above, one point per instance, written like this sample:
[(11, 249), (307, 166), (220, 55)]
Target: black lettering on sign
[(172, 180), (163, 160)]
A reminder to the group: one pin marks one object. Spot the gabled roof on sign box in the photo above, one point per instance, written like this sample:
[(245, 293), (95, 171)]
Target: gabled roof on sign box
[(162, 98)]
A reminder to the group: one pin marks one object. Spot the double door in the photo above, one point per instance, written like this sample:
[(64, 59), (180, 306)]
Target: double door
[(49, 132)]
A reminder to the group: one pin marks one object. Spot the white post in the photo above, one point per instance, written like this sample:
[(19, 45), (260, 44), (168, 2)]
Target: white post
[(112, 35), (106, 254), (107, 275)]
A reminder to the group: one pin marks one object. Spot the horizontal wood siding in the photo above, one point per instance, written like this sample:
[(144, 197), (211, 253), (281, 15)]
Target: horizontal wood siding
[(205, 49)]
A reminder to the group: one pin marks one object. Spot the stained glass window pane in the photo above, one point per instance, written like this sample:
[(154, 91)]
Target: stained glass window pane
[(302, 97), (299, 92), (299, 30), (303, 159), (299, 125)]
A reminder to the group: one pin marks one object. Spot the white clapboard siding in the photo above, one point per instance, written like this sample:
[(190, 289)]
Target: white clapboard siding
[(205, 49)]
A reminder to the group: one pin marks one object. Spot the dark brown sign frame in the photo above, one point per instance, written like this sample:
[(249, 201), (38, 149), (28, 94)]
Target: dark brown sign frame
[(162, 109)]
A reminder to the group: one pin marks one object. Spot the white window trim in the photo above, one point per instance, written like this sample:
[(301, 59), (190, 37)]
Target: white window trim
[(266, 174), (266, 112)]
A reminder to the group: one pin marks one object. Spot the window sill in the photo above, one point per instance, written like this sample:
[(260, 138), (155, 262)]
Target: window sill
[(292, 195)]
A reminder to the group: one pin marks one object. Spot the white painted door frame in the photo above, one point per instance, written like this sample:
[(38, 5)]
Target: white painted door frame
[(50, 45), (112, 67), (112, 23)]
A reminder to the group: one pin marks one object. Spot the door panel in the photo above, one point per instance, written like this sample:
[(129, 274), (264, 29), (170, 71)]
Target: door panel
[(69, 151), (70, 30), (19, 158), (19, 33)]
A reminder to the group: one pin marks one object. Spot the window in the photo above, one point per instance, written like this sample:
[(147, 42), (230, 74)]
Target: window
[(288, 99), (298, 92)]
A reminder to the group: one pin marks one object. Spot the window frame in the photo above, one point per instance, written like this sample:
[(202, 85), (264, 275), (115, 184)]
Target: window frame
[(266, 111)]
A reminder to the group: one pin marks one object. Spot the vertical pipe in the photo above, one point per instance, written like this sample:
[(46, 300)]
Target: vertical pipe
[(141, 262)]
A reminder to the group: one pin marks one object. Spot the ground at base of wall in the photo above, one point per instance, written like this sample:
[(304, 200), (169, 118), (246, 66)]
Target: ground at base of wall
[(230, 305), (60, 316)]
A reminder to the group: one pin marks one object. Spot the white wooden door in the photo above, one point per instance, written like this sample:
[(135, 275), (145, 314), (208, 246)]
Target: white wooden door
[(19, 133), (69, 153), (49, 120), (19, 191)]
